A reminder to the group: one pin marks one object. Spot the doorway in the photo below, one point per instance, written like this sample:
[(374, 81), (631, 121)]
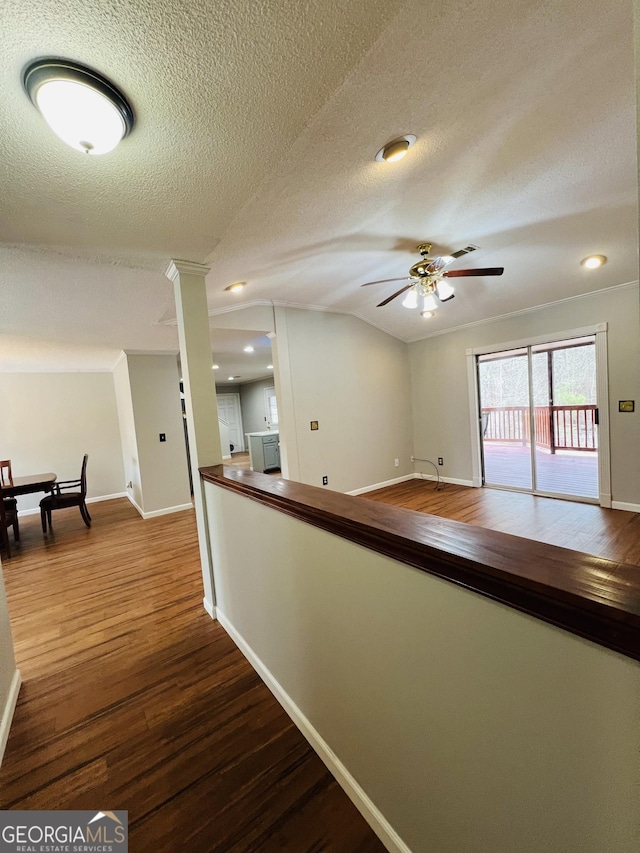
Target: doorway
[(271, 408), (538, 418), (230, 412)]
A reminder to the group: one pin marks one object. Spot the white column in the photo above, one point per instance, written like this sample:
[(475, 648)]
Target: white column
[(200, 396)]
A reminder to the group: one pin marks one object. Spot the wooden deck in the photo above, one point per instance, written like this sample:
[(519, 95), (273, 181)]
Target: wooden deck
[(565, 473)]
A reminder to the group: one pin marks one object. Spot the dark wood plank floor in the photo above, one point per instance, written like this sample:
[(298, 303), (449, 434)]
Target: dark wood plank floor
[(610, 533), (133, 698)]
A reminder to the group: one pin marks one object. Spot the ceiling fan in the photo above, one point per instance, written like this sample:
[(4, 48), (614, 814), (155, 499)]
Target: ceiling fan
[(427, 280)]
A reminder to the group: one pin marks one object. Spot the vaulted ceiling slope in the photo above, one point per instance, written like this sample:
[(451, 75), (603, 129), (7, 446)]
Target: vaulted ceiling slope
[(257, 125)]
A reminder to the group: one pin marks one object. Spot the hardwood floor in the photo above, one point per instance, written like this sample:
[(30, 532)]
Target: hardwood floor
[(610, 533), (133, 698), (242, 459)]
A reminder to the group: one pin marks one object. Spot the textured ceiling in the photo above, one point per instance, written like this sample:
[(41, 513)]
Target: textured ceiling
[(257, 124)]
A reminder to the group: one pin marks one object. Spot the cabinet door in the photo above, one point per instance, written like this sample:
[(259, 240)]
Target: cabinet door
[(271, 455)]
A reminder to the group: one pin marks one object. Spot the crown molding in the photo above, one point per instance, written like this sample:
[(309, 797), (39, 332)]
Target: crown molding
[(533, 309), (177, 267)]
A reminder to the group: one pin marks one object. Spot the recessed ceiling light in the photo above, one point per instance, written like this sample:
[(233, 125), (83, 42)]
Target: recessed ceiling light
[(396, 149), (593, 261), (215, 367), (81, 106), (235, 287), (269, 367), (248, 348), (231, 378), (427, 314)]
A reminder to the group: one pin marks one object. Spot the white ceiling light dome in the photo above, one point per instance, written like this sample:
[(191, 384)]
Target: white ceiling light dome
[(81, 106)]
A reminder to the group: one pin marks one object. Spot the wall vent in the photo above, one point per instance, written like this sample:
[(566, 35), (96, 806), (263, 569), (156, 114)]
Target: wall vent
[(465, 251)]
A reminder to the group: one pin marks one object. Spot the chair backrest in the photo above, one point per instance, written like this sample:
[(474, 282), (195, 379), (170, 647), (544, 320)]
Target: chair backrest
[(83, 476), (7, 513), (6, 477)]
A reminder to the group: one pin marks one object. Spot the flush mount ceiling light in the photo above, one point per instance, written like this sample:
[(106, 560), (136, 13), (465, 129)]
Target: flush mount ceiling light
[(81, 106), (236, 287), (594, 261), (396, 149)]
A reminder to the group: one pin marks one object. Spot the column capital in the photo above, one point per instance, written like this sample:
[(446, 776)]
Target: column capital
[(177, 267)]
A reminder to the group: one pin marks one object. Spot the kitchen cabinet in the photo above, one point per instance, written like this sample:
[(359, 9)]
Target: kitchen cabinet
[(264, 450)]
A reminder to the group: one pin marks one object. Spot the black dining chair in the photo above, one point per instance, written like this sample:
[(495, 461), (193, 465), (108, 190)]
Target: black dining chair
[(61, 498), (8, 518)]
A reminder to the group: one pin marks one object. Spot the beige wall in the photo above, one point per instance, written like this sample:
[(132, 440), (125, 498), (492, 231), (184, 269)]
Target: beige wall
[(470, 726), (49, 420), (155, 398), (354, 380), (441, 418), (252, 402)]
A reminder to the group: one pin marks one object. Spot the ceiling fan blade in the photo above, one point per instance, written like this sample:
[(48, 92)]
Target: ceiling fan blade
[(383, 281), (440, 263), (485, 271), (393, 296)]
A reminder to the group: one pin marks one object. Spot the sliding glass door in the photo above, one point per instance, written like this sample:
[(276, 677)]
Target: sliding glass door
[(538, 418), (503, 380)]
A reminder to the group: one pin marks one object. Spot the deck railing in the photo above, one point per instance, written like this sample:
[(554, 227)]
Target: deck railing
[(556, 427)]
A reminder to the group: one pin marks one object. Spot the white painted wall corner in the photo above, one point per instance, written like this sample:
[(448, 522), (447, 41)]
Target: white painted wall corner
[(208, 606), (8, 711)]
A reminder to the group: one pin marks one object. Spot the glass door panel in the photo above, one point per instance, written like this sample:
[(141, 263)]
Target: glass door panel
[(503, 383), (564, 392)]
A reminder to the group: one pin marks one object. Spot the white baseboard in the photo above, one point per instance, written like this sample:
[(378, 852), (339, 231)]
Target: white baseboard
[(208, 606), (415, 476), (453, 480), (107, 497), (374, 817), (381, 485), (99, 499), (135, 505), (8, 710), (165, 511), (628, 507)]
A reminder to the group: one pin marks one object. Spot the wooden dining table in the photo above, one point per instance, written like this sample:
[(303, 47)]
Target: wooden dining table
[(29, 484)]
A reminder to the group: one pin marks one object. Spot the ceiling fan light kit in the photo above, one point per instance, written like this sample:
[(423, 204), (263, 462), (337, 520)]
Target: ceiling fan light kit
[(445, 291), (395, 149), (427, 280), (82, 107)]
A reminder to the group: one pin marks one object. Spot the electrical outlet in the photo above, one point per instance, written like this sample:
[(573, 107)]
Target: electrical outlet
[(440, 460), (325, 480), (396, 462)]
